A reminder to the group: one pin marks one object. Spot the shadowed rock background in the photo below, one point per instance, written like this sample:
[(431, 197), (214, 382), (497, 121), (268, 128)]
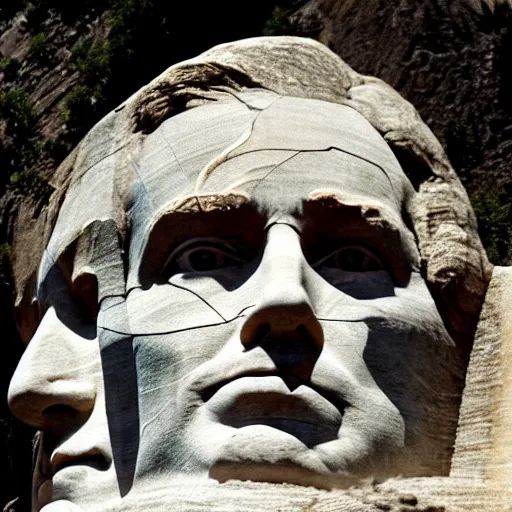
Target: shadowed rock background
[(63, 65)]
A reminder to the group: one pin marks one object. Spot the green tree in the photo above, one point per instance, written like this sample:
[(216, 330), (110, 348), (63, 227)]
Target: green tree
[(92, 61), (494, 215), (16, 110), (40, 49)]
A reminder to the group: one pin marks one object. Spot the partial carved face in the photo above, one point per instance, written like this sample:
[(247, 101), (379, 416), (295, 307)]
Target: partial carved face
[(280, 327), (58, 388)]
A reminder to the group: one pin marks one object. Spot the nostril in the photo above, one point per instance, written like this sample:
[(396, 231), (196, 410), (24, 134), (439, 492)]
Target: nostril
[(252, 340), (93, 458), (60, 409), (262, 332)]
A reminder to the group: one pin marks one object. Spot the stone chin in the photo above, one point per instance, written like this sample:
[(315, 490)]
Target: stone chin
[(261, 430), (261, 453)]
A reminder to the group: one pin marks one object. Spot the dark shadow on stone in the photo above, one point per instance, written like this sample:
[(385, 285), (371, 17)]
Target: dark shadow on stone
[(398, 358), (121, 400)]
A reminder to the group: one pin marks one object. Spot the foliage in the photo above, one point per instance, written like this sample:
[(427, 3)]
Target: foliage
[(280, 24), (40, 48), (5, 251), (462, 145), (69, 11), (143, 39), (494, 215), (19, 151), (55, 150), (92, 61), (81, 107), (17, 112), (86, 103), (29, 182)]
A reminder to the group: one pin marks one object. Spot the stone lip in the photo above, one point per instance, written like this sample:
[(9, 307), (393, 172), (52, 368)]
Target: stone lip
[(267, 400)]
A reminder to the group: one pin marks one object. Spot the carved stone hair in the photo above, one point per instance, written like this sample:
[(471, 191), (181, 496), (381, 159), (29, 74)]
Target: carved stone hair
[(454, 262)]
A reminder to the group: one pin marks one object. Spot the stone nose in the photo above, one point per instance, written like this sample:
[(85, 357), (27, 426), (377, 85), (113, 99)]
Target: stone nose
[(55, 381), (283, 309)]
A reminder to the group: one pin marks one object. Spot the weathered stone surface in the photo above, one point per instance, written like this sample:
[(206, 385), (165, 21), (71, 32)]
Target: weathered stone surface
[(482, 450), (444, 57), (263, 280)]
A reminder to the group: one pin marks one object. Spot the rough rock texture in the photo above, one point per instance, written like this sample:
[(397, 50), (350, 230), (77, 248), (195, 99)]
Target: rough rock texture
[(483, 448), (442, 208), (442, 55), (48, 82), (454, 263), (479, 479), (407, 495), (439, 216), (438, 54)]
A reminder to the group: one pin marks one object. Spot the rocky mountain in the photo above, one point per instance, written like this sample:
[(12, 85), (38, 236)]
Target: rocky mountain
[(63, 65), (449, 58)]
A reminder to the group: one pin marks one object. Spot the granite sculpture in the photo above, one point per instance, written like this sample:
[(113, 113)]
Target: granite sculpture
[(260, 273)]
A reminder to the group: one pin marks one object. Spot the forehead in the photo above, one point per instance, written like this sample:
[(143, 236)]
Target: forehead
[(239, 141), (275, 150)]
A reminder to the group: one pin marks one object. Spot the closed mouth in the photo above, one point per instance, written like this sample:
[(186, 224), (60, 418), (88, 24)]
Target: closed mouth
[(276, 400), (291, 381)]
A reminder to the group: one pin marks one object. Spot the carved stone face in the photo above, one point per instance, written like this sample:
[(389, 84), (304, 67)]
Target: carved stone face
[(280, 328), (58, 388), (275, 325)]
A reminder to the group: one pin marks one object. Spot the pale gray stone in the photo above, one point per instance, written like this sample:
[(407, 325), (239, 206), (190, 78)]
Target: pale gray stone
[(259, 283)]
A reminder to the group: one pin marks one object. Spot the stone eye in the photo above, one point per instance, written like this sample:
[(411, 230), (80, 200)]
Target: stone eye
[(202, 256), (351, 258)]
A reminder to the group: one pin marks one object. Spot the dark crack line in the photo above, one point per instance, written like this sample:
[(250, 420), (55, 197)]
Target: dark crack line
[(175, 286), (92, 166), (252, 107), (199, 297), (205, 174), (163, 284), (341, 320), (164, 333), (298, 151), (273, 169)]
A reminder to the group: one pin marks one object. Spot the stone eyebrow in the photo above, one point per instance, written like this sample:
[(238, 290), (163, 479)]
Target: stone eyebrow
[(210, 202), (331, 216), (197, 215), (372, 210)]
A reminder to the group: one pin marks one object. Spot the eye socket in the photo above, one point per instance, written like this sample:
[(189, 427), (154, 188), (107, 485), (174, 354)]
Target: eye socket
[(202, 255), (351, 258)]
